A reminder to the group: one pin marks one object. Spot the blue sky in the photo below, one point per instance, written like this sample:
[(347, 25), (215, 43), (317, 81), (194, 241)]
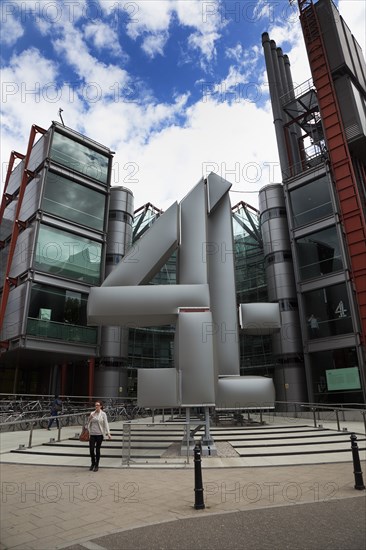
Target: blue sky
[(177, 88)]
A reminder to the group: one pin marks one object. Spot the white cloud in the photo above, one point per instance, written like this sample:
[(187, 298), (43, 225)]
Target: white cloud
[(158, 156), (289, 37), (137, 123), (14, 30), (30, 96), (152, 20), (153, 44), (101, 78), (236, 141), (153, 16), (205, 43), (103, 37), (354, 14)]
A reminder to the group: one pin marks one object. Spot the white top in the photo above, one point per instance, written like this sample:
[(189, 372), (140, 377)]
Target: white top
[(98, 423)]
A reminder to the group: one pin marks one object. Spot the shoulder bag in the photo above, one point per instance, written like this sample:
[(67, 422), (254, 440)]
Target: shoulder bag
[(84, 436)]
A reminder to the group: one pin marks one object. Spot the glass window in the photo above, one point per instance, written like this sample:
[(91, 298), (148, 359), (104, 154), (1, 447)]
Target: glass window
[(319, 253), (120, 216), (341, 364), (67, 255), (59, 314), (327, 312), (79, 157), (74, 202), (311, 202), (150, 348)]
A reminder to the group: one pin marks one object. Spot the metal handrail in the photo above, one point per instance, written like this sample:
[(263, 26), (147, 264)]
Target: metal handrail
[(336, 408), (34, 421)]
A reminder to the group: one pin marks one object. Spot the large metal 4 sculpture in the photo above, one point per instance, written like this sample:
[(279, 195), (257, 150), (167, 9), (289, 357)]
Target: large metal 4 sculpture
[(202, 305)]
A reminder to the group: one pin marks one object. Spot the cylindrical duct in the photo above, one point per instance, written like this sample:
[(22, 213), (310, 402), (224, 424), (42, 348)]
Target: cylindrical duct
[(114, 349), (292, 127), (287, 343), (274, 90), (291, 94)]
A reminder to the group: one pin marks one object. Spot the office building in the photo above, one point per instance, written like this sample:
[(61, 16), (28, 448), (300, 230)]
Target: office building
[(63, 229), (321, 136), (54, 246)]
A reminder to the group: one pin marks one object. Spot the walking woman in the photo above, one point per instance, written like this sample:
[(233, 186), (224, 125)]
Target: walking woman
[(98, 428)]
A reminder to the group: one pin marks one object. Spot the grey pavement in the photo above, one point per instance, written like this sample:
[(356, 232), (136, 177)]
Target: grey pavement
[(64, 505)]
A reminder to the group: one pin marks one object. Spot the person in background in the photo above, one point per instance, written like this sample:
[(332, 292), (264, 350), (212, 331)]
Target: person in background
[(56, 407), (314, 326), (98, 428)]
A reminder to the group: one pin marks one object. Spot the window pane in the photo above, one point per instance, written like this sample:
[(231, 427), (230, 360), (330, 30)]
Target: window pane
[(74, 202), (311, 202), (59, 314), (327, 312), (68, 255), (332, 361), (79, 157), (319, 254)]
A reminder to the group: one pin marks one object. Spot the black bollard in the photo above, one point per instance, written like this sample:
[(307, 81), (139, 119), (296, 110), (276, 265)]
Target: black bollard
[(198, 487), (356, 464)]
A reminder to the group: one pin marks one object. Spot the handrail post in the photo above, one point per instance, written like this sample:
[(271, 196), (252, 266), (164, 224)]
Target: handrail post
[(337, 417), (32, 424), (314, 415), (364, 419)]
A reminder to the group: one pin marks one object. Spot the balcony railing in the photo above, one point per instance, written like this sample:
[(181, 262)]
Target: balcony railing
[(66, 332)]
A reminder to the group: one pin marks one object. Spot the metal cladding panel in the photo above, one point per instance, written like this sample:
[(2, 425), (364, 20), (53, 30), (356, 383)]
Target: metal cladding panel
[(275, 236), (15, 313), (4, 253), (111, 342), (15, 178), (195, 359), (119, 238), (217, 187), (290, 383), (271, 196), (39, 152), (220, 257), (280, 281), (341, 47), (353, 110), (191, 261), (260, 318), (63, 348), (32, 197), (23, 254), (288, 340), (150, 305), (157, 388), (245, 392), (122, 199), (148, 255), (109, 381), (6, 227)]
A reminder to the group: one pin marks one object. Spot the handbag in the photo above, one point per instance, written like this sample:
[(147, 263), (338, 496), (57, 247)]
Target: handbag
[(84, 436)]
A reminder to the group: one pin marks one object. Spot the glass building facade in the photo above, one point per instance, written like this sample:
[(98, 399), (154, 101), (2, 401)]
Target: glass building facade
[(63, 250), (59, 254), (326, 298)]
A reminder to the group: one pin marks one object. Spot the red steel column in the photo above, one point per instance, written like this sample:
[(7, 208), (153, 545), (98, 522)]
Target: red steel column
[(17, 223), (350, 204)]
